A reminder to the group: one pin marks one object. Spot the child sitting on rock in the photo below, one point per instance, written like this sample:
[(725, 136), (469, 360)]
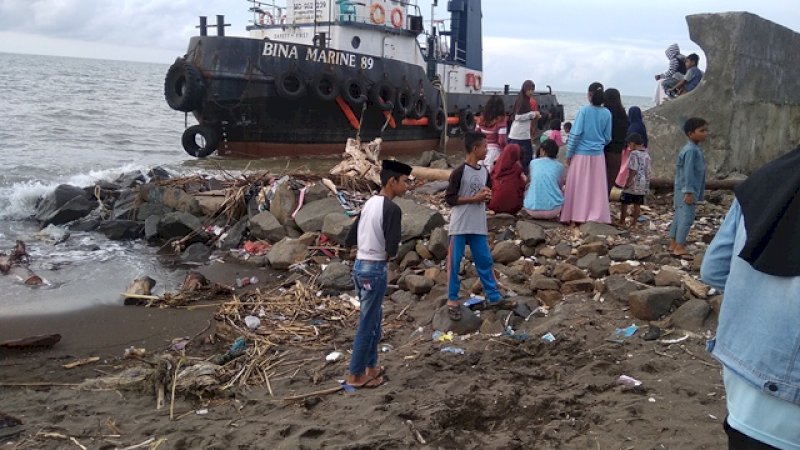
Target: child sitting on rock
[(545, 194)]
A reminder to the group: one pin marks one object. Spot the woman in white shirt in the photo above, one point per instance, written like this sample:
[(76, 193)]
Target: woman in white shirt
[(523, 114)]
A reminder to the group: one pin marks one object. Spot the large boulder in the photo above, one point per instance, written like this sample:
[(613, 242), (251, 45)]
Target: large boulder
[(177, 224), (283, 203), (118, 230), (439, 243), (691, 315), (336, 276), (418, 284), (530, 233), (173, 198), (650, 304), (506, 252), (468, 324), (147, 209), (418, 220), (64, 204), (235, 234), (600, 229), (196, 253), (619, 288), (336, 226), (311, 216), (750, 75), (622, 252), (286, 252), (266, 227), (125, 205)]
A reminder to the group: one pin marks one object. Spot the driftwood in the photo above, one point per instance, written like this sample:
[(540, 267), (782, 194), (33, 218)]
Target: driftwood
[(429, 174), (16, 264), (41, 341), (361, 161)]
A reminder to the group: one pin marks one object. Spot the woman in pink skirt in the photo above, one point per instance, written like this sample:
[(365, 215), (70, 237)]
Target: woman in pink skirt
[(586, 193)]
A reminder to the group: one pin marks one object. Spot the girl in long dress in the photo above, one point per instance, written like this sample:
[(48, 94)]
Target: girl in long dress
[(586, 193)]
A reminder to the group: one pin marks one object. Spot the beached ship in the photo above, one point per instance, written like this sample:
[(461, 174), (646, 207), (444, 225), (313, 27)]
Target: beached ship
[(313, 73)]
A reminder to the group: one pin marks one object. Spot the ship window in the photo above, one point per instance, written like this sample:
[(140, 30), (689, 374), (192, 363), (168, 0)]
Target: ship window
[(356, 42)]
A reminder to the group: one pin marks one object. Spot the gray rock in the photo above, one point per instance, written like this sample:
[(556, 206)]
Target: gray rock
[(312, 215), (563, 249), (412, 259), (147, 209), (87, 223), (64, 204), (196, 253), (669, 276), (418, 220), (158, 173), (619, 288), (418, 285), (336, 226), (177, 224), (118, 230), (125, 205), (438, 244), (265, 226), (283, 203), (336, 276), (404, 297), (317, 191), (599, 267), (651, 304), (585, 261), (530, 233), (691, 315), (543, 283), (567, 272), (622, 253), (439, 164), (405, 247), (286, 252), (597, 247), (600, 229), (582, 285), (642, 251), (431, 188), (645, 276), (235, 235), (130, 179), (497, 221), (173, 198), (506, 252), (151, 228), (468, 324)]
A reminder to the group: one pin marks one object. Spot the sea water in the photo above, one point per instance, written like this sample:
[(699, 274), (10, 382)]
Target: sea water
[(76, 121)]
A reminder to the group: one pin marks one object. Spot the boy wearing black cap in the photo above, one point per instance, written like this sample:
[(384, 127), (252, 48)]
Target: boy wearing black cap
[(377, 234)]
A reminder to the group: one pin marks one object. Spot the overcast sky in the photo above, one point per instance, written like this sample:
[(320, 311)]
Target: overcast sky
[(618, 42)]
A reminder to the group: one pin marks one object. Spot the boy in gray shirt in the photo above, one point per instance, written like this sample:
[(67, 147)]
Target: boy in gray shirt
[(468, 193)]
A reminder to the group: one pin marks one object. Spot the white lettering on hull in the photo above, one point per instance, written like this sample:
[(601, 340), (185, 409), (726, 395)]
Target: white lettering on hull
[(335, 57)]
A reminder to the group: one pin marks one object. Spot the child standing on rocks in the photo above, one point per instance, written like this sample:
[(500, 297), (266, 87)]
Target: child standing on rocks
[(638, 183), (690, 183), (377, 234), (468, 193)]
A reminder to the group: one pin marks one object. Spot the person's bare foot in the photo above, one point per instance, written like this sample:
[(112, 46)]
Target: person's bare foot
[(672, 245), (364, 381), (679, 250), (375, 372)]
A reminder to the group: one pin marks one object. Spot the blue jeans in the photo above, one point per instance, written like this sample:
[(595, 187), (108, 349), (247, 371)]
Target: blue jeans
[(370, 280), (479, 245), (681, 222)]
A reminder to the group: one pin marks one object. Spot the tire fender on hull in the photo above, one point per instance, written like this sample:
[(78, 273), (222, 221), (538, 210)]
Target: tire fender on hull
[(184, 88), (405, 101), (290, 85), (354, 92), (438, 119), (467, 120), (325, 87), (200, 141), (383, 95)]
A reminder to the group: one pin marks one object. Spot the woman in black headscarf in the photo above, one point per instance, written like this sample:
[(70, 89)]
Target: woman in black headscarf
[(619, 130)]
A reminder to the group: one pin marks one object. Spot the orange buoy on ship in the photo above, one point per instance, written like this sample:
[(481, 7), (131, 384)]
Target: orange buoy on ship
[(397, 17), (377, 14)]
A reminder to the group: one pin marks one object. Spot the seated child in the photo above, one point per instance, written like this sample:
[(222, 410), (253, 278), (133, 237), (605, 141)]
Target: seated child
[(553, 133), (508, 182), (638, 182), (545, 195), (692, 78)]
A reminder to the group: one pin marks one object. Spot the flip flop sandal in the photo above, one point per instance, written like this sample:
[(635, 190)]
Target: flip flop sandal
[(454, 312), (381, 371), (372, 383)]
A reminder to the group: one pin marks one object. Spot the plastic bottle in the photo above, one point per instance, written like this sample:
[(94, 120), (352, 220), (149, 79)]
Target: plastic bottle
[(241, 282)]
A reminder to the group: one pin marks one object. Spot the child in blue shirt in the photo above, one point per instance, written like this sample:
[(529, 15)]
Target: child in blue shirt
[(545, 195), (690, 182)]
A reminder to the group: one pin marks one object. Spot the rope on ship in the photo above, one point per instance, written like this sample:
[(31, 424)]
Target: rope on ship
[(437, 83)]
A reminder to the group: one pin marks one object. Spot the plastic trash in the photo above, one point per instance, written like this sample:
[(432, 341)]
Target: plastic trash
[(624, 333), (252, 322), (438, 336), (237, 349), (333, 356), (135, 352), (201, 412), (386, 348), (246, 281), (453, 349), (548, 337), (472, 301), (628, 381)]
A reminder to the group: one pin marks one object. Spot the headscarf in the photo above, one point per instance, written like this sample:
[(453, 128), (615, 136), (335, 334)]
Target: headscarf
[(672, 51), (522, 104), (508, 164), (770, 201), (637, 123)]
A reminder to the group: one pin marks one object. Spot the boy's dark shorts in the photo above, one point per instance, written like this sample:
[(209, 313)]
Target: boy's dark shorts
[(631, 199)]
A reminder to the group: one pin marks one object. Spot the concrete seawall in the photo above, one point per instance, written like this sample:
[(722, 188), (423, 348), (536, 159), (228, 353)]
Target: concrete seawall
[(750, 95)]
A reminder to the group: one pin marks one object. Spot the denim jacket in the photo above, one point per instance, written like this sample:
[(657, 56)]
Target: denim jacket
[(758, 337), (690, 173)]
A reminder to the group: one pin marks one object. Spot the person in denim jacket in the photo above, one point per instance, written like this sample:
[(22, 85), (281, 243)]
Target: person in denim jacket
[(690, 184), (377, 234), (755, 260)]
